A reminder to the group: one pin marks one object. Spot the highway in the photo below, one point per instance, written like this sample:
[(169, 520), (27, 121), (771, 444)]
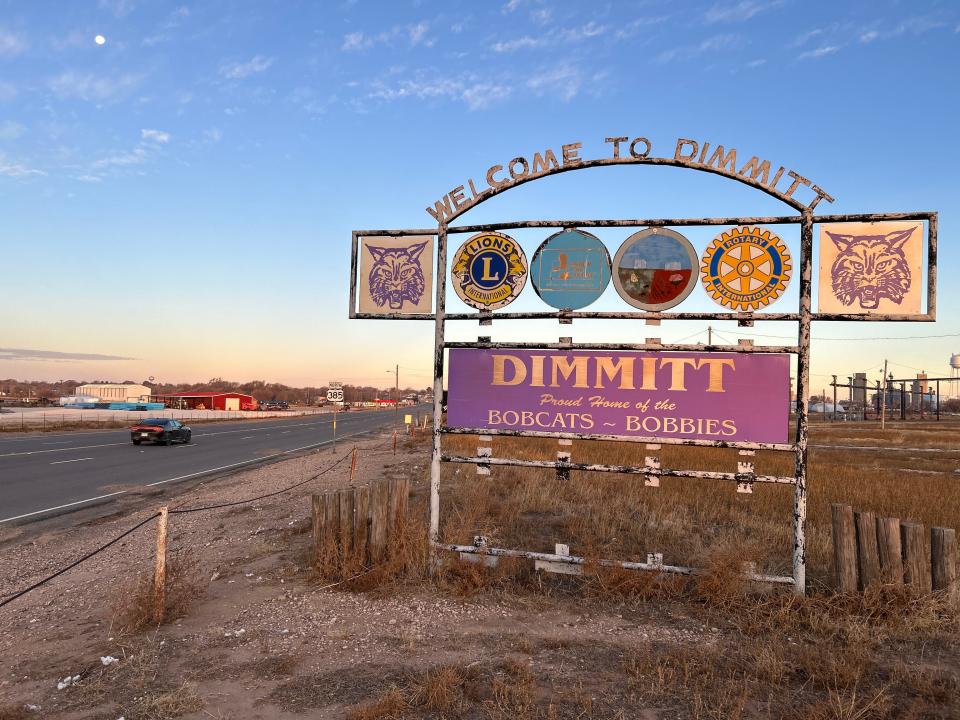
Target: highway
[(44, 474)]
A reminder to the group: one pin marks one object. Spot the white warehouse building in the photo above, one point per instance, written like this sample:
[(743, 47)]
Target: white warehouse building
[(114, 392)]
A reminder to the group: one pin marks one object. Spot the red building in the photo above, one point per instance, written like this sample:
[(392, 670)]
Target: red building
[(208, 401)]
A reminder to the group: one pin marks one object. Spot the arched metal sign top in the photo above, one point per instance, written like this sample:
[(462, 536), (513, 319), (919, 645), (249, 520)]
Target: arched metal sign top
[(781, 183)]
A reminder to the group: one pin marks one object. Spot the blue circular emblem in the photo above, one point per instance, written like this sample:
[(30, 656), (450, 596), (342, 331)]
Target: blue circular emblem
[(488, 268), (570, 269)]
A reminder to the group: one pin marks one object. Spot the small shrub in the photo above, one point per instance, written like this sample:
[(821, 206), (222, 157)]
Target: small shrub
[(134, 606)]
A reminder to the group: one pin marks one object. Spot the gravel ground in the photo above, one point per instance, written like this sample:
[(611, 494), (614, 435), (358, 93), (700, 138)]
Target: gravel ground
[(266, 640)]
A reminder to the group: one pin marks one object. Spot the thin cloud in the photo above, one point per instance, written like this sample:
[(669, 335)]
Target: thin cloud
[(158, 136), (819, 52), (119, 8), (567, 35), (711, 44), (739, 11), (11, 44), (90, 87), (8, 91), (521, 43), (415, 34), (238, 71), (563, 81), (476, 93), (355, 41), (483, 95), (18, 171), (55, 355), (89, 178)]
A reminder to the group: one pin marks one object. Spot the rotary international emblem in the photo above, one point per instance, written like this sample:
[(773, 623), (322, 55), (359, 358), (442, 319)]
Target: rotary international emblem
[(746, 268), (489, 271)]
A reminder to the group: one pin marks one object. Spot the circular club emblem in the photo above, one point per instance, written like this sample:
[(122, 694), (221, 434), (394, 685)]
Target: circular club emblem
[(654, 269), (570, 269), (489, 271), (746, 268)]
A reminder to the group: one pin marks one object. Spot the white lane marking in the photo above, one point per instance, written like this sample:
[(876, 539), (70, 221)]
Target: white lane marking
[(247, 437), (61, 462), (60, 507), (53, 450), (60, 442), (284, 432)]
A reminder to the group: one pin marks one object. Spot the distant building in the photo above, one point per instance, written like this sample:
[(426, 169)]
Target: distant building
[(860, 389), (114, 392), (208, 401)]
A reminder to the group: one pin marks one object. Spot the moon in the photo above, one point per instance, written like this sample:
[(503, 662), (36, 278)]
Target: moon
[(99, 39)]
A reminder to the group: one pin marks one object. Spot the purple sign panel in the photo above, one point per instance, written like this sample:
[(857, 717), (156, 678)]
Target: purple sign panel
[(706, 396)]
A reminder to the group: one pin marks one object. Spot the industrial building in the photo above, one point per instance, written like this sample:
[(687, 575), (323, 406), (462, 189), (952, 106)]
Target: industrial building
[(113, 392), (208, 401)]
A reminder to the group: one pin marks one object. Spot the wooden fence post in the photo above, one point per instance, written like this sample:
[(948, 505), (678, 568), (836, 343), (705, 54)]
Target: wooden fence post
[(399, 489), (868, 555), (353, 465), (361, 518), (160, 569), (844, 547), (916, 557), (345, 498), (394, 442), (379, 503), (891, 558), (331, 524), (317, 513), (943, 551)]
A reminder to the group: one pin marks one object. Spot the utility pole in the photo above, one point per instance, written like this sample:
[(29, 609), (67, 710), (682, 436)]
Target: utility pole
[(396, 386), (709, 335), (883, 398), (834, 398)]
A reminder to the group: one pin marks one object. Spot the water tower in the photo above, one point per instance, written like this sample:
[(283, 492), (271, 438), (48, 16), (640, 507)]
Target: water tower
[(954, 372)]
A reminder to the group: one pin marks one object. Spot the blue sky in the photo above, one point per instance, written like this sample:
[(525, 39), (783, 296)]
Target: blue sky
[(182, 195)]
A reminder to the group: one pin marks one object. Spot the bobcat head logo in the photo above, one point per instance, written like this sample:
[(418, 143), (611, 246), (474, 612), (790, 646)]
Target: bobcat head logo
[(396, 275), (870, 267)]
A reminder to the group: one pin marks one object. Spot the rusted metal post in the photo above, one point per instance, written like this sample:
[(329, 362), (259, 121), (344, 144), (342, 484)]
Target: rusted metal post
[(394, 442), (160, 569), (438, 350), (844, 547), (803, 399)]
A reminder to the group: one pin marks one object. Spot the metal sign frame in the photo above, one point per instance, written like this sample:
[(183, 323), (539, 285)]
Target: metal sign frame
[(651, 470)]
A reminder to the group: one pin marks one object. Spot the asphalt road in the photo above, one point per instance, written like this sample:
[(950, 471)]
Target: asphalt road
[(50, 473)]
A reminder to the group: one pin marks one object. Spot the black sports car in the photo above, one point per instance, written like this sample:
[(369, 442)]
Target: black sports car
[(159, 430)]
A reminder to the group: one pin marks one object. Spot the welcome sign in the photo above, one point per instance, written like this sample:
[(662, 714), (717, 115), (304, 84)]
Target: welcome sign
[(707, 396)]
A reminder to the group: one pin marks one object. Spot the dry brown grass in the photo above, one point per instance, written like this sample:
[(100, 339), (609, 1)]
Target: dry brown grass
[(133, 607), (504, 690), (13, 712), (614, 516)]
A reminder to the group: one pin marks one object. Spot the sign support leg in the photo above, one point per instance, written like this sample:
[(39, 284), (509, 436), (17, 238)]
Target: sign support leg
[(803, 400), (438, 389)]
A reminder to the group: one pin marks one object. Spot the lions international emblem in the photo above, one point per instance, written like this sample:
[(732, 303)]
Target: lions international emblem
[(746, 268), (489, 271)]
